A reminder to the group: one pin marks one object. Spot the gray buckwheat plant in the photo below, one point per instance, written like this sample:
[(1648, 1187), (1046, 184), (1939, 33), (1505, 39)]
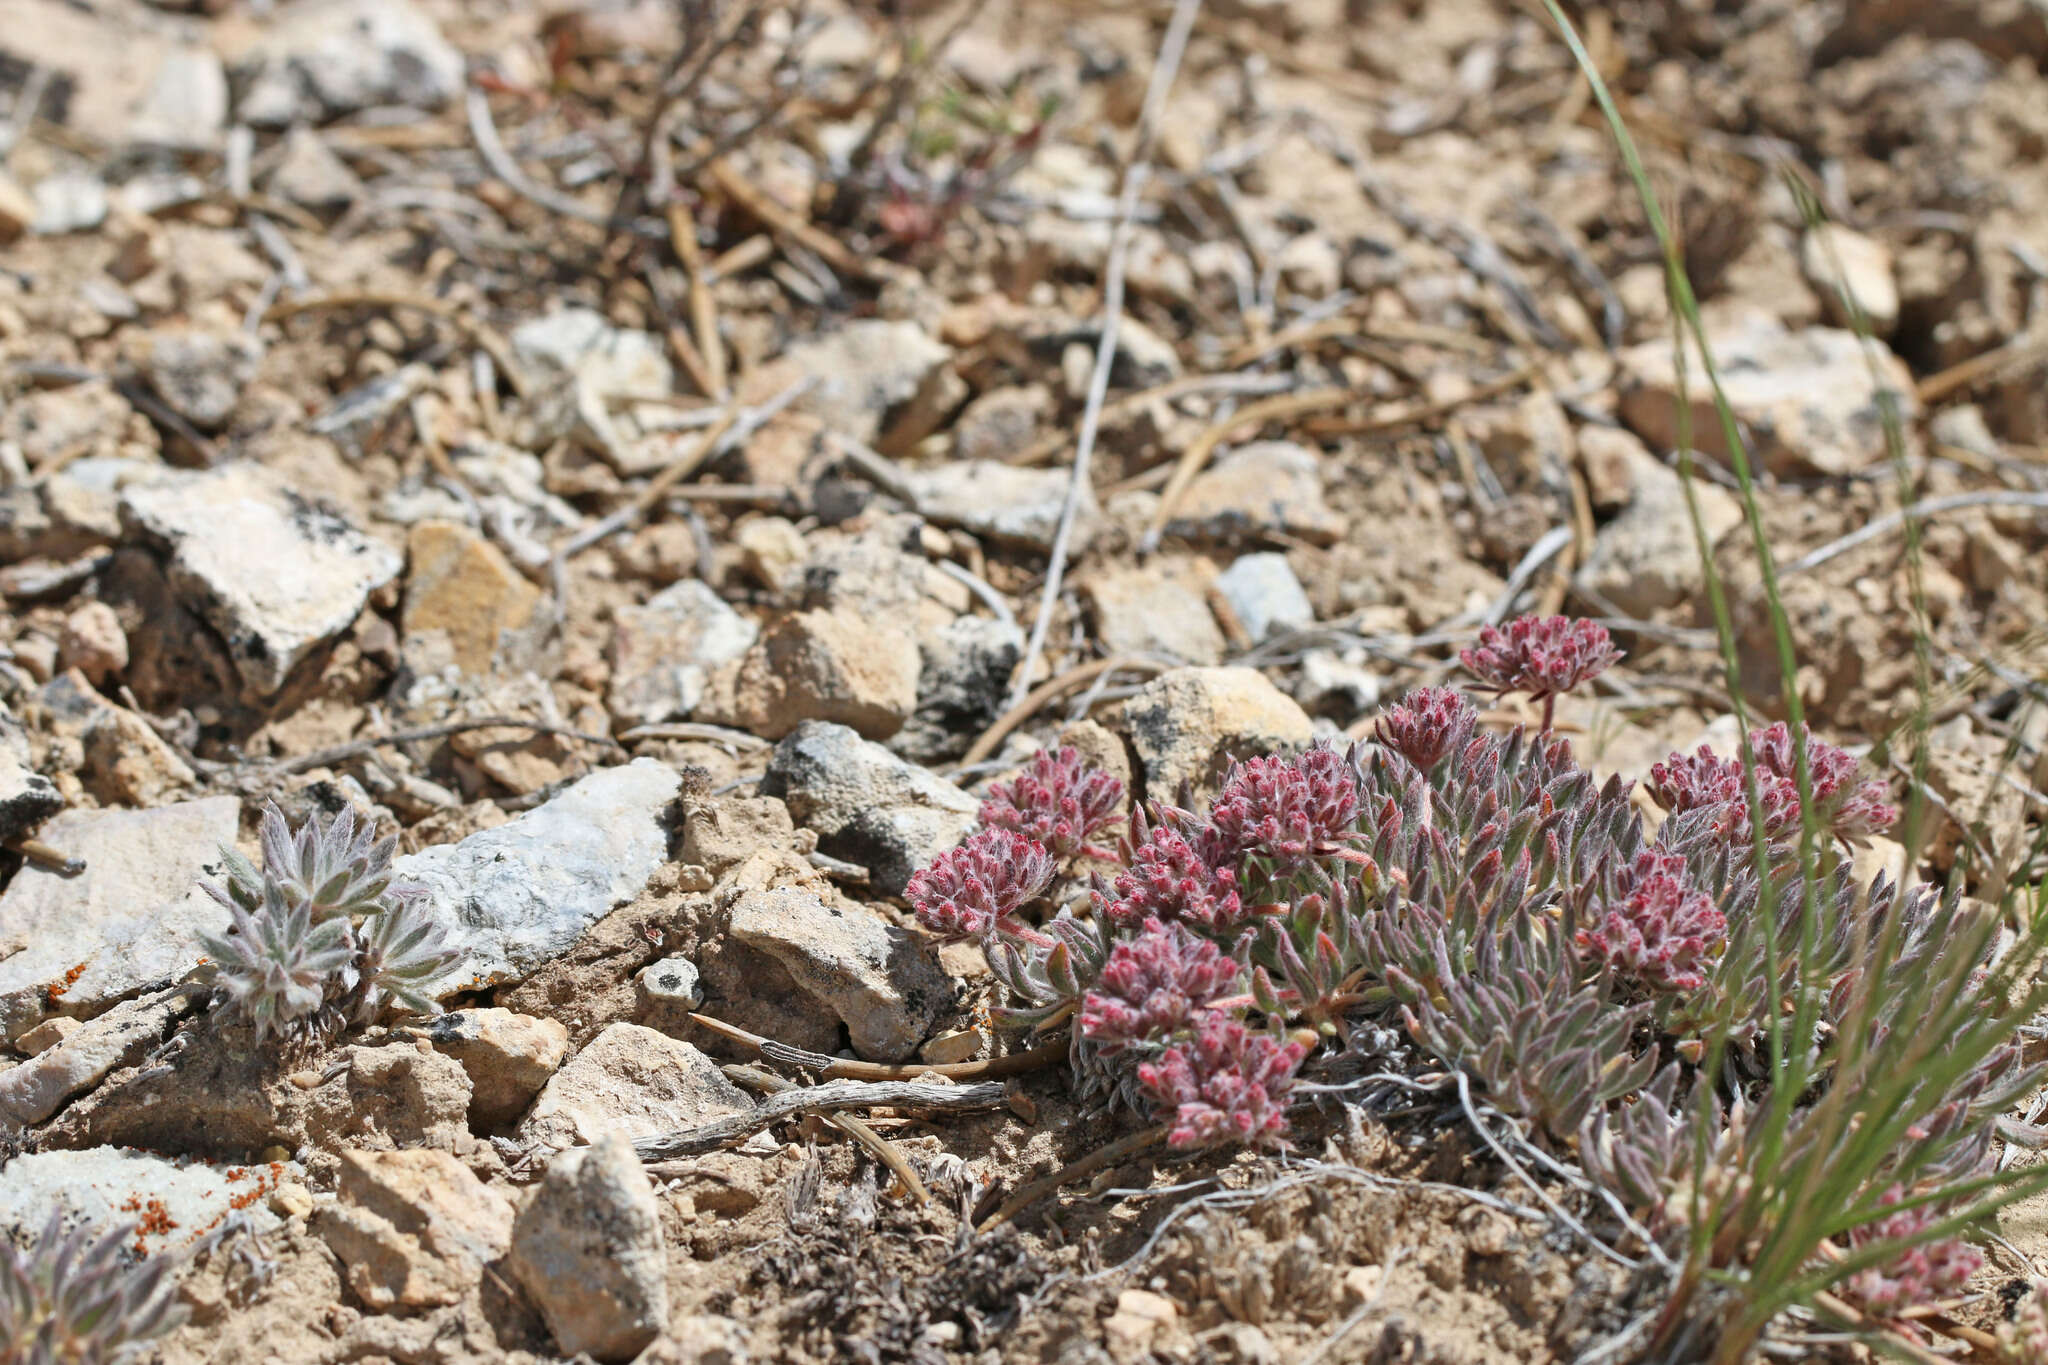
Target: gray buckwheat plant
[(323, 935), (1626, 994)]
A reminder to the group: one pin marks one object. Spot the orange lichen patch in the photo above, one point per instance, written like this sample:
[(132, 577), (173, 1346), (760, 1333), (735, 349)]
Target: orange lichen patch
[(56, 989)]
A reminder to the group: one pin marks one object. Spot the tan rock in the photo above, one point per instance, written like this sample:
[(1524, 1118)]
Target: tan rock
[(47, 1035), (1837, 259), (17, 210), (588, 1249), (414, 1228), (634, 1082), (1156, 608), (93, 642), (837, 665), (127, 763), (1262, 487), (461, 585), (508, 1056), (1186, 726)]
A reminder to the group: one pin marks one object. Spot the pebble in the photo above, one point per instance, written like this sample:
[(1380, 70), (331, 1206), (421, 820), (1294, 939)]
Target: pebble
[(884, 982), (187, 103), (599, 361), (1261, 488), (508, 1056), (1187, 725), (864, 370), (93, 642), (867, 805), (201, 375), (588, 1248), (311, 175), (840, 665), (1834, 258), (466, 604), (699, 1339), (413, 1229), (1154, 609), (1001, 422), (128, 763), (1647, 558), (663, 653), (70, 201), (275, 572), (668, 991), (1265, 596), (321, 59), (962, 682), (128, 922), (1005, 503), (631, 1082), (1806, 399)]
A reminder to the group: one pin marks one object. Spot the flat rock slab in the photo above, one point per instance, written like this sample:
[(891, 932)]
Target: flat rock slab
[(86, 1054), (275, 572), (177, 1202), (131, 920), (517, 896)]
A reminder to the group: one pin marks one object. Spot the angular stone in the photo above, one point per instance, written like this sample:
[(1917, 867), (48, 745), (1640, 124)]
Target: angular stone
[(1005, 503), (837, 665), (508, 1056), (516, 896), (1648, 558), (1265, 596), (668, 991), (662, 653), (413, 1229), (128, 763), (175, 1201), (1806, 399), (70, 201), (961, 685), (1001, 422), (130, 921), (320, 59), (588, 1248), (1188, 725), (201, 375), (461, 585), (187, 103), (599, 362), (630, 1082), (1154, 609), (1263, 487), (884, 982), (311, 175), (93, 642), (1836, 258), (864, 370), (867, 805), (275, 572)]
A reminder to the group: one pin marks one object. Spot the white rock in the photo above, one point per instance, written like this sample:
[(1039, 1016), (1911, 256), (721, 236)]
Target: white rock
[(669, 988), (1154, 609), (588, 1248), (109, 1186), (276, 572), (130, 921), (1262, 487), (27, 798), (1264, 594), (661, 653), (71, 201), (311, 174), (865, 369), (1007, 504), (867, 805), (201, 375), (1836, 258), (1337, 684), (631, 1082), (187, 103), (884, 982), (321, 59), (516, 896), (82, 1057), (1806, 399)]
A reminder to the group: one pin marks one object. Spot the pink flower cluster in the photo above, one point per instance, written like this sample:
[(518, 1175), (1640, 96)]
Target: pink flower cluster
[(1060, 802), (1154, 984), (1426, 725), (979, 886), (1540, 655), (1658, 928), (1850, 807), (1921, 1273), (1287, 809), (1169, 876), (1227, 1083)]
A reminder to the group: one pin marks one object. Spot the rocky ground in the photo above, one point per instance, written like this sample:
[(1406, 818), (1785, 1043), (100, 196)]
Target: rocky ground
[(624, 451)]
